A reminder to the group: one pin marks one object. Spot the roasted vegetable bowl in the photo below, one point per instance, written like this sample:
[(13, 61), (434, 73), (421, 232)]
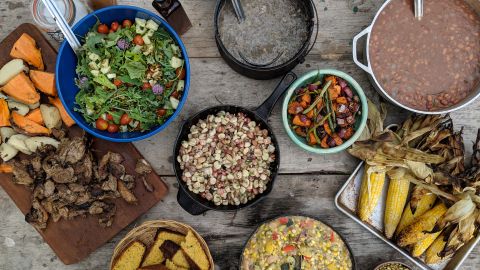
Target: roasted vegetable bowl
[(324, 111)]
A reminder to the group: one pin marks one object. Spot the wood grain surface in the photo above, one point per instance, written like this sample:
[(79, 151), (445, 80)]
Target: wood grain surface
[(307, 184)]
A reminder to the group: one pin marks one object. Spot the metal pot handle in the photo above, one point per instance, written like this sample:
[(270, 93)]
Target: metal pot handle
[(354, 45)]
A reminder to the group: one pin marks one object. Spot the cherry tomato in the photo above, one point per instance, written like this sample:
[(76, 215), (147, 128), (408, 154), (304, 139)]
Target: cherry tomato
[(288, 248), (114, 26), (138, 40), (169, 84), (125, 119), (103, 29), (175, 94), (112, 128), (109, 117), (161, 112), (111, 31), (332, 236), (127, 23), (274, 235), (283, 220), (146, 86), (101, 124), (117, 82), (180, 73)]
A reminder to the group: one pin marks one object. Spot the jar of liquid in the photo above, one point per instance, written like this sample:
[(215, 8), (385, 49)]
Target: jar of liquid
[(98, 4)]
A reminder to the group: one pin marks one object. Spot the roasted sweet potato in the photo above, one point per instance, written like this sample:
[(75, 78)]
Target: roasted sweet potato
[(22, 89), (67, 120), (35, 116), (307, 98), (26, 126), (327, 128), (297, 121), (44, 81), (324, 143), (311, 138), (26, 48), (5, 168), (4, 113), (310, 114), (295, 107)]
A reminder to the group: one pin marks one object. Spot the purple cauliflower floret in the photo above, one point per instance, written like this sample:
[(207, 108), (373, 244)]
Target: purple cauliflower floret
[(122, 44), (157, 89), (82, 82)]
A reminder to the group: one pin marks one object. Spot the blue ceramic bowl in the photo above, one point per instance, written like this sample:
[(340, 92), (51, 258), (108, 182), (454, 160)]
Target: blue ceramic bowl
[(67, 63)]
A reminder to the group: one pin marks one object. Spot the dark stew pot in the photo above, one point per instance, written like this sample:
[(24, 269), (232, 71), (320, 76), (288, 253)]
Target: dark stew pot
[(194, 203)]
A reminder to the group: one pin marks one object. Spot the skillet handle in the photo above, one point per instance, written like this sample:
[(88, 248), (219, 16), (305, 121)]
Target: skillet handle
[(188, 204), (264, 110)]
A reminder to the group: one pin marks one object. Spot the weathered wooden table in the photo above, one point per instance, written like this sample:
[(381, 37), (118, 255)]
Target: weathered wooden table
[(307, 184)]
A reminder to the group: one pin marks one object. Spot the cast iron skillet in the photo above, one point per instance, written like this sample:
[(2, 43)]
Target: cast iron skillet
[(265, 71), (352, 258), (194, 203)]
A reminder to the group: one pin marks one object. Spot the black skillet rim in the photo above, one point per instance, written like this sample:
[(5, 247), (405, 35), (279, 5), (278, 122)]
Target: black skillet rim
[(352, 257), (270, 71), (274, 167)]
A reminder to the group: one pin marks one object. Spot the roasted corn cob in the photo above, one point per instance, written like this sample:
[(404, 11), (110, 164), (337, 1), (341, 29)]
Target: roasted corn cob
[(421, 246), (370, 190), (421, 228), (421, 201), (432, 256), (396, 199)]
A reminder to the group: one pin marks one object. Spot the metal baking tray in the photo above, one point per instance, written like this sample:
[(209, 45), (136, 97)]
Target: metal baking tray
[(346, 201)]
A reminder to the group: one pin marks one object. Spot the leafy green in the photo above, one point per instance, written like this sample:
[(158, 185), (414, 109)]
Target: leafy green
[(136, 70), (103, 80)]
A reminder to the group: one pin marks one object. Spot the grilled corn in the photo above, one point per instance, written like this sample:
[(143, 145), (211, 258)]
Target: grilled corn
[(370, 190), (421, 246), (396, 199), (422, 200), (420, 229), (432, 256)]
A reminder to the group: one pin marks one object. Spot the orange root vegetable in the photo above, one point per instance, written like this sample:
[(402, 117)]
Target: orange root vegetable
[(304, 104), (300, 132), (320, 105), (5, 168), (310, 114), (311, 138), (22, 89), (342, 100), (327, 128), (295, 107), (333, 79), (338, 140), (324, 143), (332, 93), (4, 113), (349, 133), (44, 81), (67, 120), (26, 126), (26, 48), (35, 116), (297, 121), (307, 98)]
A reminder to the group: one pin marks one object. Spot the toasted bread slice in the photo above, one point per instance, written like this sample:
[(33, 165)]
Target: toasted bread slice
[(131, 257), (193, 249), (155, 255)]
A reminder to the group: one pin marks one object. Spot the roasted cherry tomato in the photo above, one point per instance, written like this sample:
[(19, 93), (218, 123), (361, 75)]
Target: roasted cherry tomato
[(161, 112), (146, 86), (103, 29), (127, 23), (289, 248), (283, 220), (101, 124), (175, 94), (125, 119), (169, 84), (117, 82), (112, 128), (138, 40), (114, 26), (109, 117), (180, 73)]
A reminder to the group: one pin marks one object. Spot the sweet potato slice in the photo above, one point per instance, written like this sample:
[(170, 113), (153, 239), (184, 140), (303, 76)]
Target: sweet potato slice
[(22, 89), (4, 113), (44, 81), (26, 126), (35, 116), (5, 168), (26, 48), (67, 120)]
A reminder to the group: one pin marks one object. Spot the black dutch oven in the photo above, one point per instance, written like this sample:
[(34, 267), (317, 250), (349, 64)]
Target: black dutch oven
[(267, 71), (194, 203)]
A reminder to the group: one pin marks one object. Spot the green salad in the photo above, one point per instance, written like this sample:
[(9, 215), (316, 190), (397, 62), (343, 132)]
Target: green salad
[(130, 75)]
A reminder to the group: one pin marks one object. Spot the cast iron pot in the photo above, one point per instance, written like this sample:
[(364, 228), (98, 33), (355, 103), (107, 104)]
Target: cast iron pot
[(265, 71), (352, 258), (194, 203)]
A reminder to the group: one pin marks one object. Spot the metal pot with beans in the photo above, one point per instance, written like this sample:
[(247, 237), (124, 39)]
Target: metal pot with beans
[(429, 66)]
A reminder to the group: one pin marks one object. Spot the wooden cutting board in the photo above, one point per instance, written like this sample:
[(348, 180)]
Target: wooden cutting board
[(73, 240)]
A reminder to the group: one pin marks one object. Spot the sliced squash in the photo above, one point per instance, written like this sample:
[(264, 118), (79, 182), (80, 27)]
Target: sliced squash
[(26, 126), (34, 143), (35, 116), (26, 48), (51, 116), (18, 107), (34, 106), (6, 133), (7, 152), (4, 113), (22, 89), (18, 141), (5, 168), (10, 70), (67, 120), (44, 81)]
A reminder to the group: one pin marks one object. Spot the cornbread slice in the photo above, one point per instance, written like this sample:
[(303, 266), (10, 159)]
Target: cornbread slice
[(131, 257), (154, 254), (171, 266), (154, 267), (180, 260), (173, 252), (194, 251)]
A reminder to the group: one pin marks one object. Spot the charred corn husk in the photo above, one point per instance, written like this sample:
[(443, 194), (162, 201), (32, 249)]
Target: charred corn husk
[(463, 232), (421, 201), (432, 256), (370, 190), (396, 199), (421, 228), (421, 246)]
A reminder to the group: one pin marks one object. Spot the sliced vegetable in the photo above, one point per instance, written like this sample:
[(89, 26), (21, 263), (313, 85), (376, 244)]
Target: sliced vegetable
[(22, 89), (67, 120), (7, 152), (36, 116), (5, 168), (34, 143), (4, 113), (18, 142), (18, 107), (101, 124), (10, 70), (51, 116), (6, 133), (44, 81), (26, 48), (23, 125)]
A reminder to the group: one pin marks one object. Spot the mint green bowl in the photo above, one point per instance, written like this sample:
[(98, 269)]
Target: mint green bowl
[(310, 77)]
